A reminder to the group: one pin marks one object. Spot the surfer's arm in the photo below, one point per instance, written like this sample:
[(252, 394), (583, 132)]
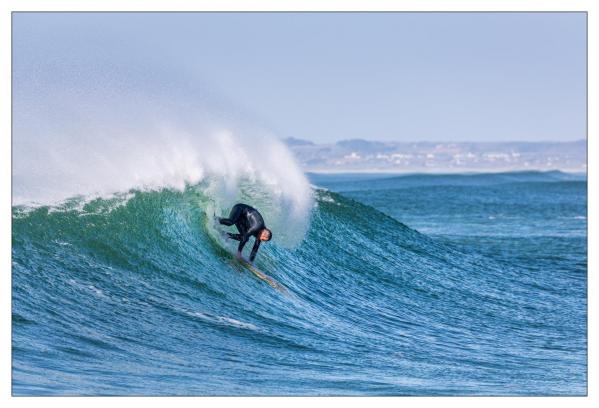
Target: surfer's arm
[(255, 250), (253, 232), (242, 241)]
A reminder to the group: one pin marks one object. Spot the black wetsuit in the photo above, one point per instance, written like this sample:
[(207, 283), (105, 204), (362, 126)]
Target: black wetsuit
[(248, 222)]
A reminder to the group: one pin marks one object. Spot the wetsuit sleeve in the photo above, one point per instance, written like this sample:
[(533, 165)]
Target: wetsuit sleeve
[(242, 241), (255, 250)]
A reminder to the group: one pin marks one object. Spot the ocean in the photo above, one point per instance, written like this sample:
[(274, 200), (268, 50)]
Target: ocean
[(464, 284)]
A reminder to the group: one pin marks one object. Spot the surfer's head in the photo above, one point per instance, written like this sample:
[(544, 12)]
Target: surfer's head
[(265, 235)]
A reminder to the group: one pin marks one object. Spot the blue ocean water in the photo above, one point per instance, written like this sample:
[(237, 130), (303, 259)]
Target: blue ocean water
[(403, 285)]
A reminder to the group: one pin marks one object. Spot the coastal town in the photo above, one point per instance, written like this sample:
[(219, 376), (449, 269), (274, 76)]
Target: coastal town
[(374, 156)]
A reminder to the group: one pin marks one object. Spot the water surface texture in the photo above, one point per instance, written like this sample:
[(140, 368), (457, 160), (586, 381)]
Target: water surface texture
[(402, 285)]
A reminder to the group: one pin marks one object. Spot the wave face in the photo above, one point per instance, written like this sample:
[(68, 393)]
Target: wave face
[(135, 294)]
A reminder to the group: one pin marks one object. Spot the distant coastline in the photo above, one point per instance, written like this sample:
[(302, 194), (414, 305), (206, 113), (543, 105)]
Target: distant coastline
[(444, 171), (364, 156)]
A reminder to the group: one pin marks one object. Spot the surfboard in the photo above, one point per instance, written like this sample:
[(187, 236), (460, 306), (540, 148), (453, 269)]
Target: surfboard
[(261, 275)]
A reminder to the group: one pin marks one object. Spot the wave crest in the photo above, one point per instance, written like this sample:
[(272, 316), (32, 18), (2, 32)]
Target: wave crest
[(99, 141)]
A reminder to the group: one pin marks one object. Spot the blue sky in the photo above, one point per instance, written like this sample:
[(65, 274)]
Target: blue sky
[(333, 76)]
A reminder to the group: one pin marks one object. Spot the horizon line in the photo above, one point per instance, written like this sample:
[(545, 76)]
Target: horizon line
[(432, 141)]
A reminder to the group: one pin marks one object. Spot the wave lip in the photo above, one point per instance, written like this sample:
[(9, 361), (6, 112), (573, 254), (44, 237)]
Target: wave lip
[(117, 130), (134, 141)]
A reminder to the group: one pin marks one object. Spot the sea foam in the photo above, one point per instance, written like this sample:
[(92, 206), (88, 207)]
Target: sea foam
[(136, 132)]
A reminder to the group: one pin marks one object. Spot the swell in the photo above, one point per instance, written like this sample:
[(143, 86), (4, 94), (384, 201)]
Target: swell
[(138, 287)]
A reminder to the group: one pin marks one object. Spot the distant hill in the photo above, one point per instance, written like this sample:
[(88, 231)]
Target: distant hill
[(368, 156), (291, 141)]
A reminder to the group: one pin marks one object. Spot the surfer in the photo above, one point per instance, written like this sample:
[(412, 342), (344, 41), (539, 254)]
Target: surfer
[(249, 223)]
